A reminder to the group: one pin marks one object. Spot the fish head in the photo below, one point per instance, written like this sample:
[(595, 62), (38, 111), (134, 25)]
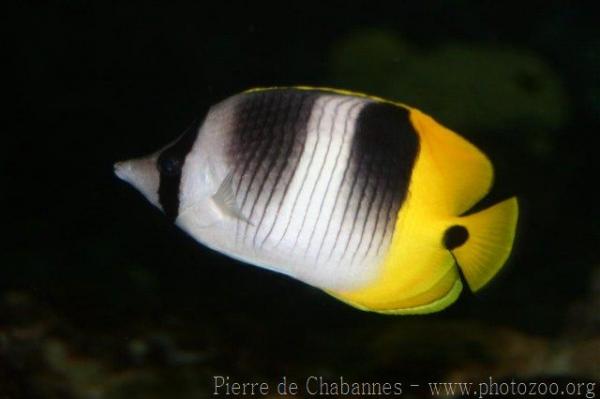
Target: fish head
[(176, 178)]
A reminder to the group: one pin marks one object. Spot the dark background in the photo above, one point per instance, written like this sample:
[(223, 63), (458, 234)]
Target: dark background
[(99, 293)]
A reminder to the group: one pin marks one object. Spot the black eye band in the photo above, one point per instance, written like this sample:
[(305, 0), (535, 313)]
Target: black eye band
[(170, 165)]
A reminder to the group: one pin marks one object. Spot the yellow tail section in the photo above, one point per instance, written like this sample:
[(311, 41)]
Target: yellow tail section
[(490, 239)]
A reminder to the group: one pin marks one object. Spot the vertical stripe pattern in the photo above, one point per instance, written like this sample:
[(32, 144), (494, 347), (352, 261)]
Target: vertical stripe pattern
[(320, 177)]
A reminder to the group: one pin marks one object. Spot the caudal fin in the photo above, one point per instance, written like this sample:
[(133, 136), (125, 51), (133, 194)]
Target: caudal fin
[(481, 243)]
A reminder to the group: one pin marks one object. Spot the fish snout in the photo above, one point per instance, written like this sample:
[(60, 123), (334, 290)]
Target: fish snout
[(142, 174), (123, 170)]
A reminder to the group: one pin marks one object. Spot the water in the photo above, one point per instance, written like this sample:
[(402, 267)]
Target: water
[(101, 297)]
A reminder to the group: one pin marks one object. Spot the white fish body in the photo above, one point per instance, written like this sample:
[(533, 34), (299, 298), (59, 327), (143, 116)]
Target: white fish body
[(287, 237)]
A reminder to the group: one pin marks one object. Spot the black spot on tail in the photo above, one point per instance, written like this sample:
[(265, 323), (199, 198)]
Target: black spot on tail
[(455, 236)]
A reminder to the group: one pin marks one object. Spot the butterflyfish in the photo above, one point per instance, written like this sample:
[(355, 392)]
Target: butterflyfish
[(364, 198)]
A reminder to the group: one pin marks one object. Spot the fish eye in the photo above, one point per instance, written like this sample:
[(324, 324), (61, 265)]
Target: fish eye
[(169, 166)]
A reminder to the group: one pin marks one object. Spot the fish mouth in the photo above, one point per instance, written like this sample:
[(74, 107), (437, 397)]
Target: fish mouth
[(122, 170)]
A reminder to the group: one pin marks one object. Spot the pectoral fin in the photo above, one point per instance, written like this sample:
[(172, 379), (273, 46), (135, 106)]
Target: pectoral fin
[(224, 199)]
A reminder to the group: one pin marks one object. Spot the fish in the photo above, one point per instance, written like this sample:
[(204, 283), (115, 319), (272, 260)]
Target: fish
[(367, 199)]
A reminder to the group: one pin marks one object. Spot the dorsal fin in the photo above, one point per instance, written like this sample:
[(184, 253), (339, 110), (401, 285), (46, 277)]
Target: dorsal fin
[(455, 169)]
